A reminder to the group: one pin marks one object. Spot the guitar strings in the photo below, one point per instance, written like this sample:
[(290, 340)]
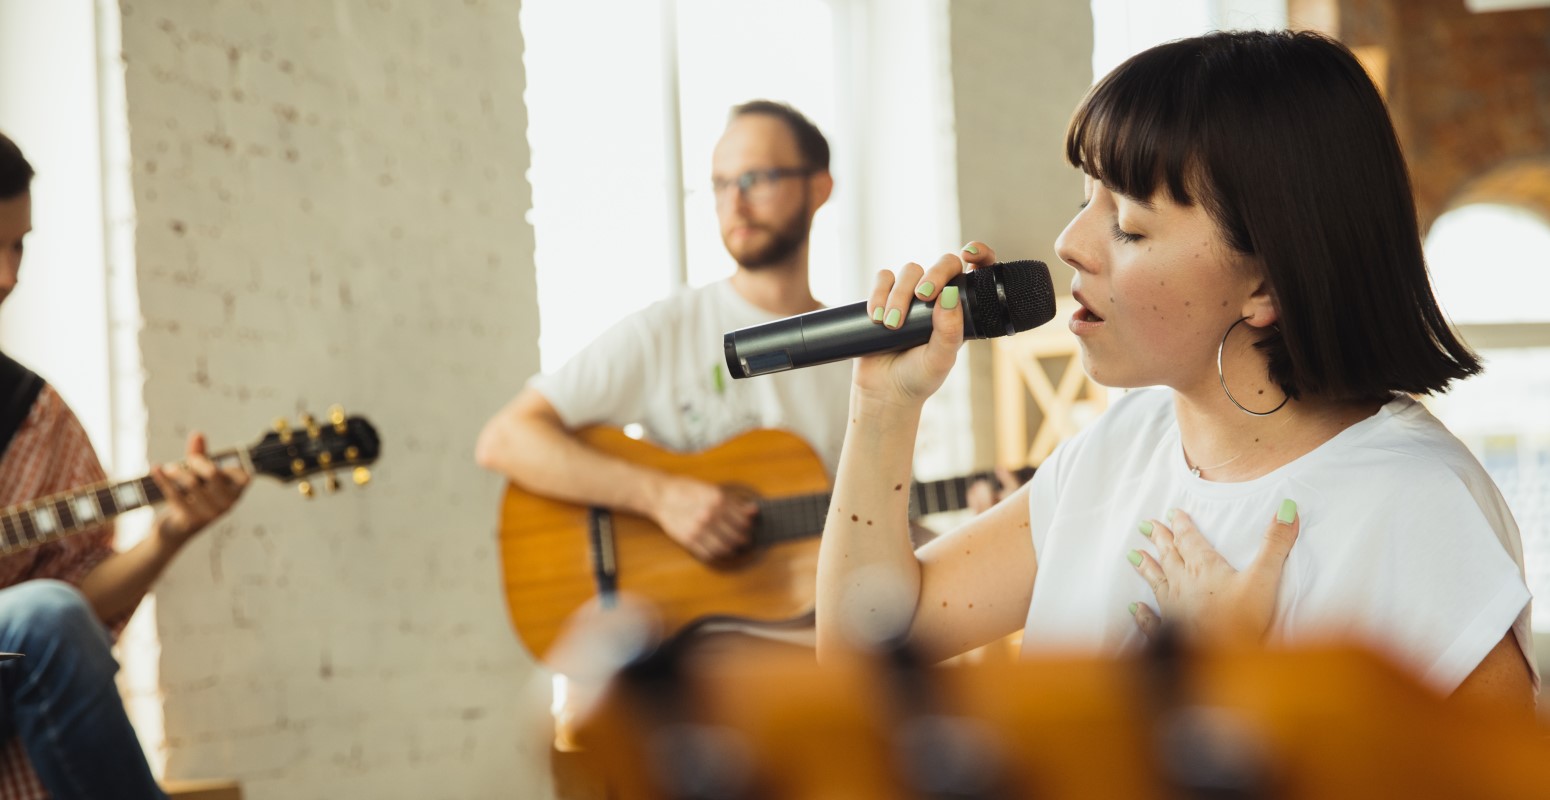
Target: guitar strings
[(784, 518)]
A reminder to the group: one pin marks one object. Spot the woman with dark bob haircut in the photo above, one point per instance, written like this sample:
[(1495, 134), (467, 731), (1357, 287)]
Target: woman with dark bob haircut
[(1247, 248)]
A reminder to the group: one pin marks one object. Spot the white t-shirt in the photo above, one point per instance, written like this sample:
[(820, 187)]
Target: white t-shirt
[(665, 368), (1405, 541)]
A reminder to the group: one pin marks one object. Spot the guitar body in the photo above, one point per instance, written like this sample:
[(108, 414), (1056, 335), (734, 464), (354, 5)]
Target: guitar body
[(547, 553)]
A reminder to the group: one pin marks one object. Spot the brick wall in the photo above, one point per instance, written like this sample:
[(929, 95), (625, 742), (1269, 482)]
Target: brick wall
[(1470, 94), (330, 207)]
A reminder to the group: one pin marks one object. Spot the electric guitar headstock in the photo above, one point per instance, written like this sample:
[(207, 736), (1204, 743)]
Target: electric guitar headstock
[(312, 447)]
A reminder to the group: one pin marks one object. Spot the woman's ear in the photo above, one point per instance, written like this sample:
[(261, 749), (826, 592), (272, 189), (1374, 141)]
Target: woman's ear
[(1260, 307)]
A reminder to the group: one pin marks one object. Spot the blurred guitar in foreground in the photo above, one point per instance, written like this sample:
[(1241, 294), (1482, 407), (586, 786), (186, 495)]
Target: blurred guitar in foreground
[(1319, 721)]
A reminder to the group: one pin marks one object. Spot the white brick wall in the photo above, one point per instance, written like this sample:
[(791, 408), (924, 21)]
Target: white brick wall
[(330, 208)]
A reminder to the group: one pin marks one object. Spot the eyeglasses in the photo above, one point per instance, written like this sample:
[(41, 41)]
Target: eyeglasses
[(756, 185)]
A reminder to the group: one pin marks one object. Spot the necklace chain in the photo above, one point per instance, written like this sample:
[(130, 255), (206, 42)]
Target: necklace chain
[(1196, 469)]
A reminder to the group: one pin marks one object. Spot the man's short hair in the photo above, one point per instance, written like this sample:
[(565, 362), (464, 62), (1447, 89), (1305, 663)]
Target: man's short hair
[(15, 173), (810, 142)]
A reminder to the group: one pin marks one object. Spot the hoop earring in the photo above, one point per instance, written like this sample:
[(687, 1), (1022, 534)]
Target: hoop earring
[(1223, 377)]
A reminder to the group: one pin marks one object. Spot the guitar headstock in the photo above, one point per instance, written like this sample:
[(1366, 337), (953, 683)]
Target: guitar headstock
[(312, 447)]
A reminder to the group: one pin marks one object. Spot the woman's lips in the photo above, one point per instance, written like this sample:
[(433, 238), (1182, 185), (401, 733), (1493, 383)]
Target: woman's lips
[(1084, 320)]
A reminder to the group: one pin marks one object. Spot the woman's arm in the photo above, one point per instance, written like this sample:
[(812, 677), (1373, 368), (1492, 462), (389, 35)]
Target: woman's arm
[(1501, 680), (871, 586), (960, 591), (868, 577), (977, 582)]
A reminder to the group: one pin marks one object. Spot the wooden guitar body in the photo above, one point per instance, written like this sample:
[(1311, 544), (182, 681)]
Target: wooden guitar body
[(548, 553)]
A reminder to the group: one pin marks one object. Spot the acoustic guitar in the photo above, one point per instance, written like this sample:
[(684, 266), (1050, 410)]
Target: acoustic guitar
[(283, 454), (557, 556), (1309, 722)]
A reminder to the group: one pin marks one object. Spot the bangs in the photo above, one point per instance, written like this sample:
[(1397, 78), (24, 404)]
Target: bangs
[(1136, 130)]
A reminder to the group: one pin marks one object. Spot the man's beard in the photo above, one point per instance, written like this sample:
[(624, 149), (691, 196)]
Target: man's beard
[(783, 243)]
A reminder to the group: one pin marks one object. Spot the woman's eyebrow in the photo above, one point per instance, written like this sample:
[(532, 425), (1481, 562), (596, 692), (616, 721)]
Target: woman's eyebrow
[(1146, 204)]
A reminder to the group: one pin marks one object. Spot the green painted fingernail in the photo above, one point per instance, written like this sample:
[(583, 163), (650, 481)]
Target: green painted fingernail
[(1288, 513), (949, 298), (1146, 527), (971, 250), (892, 320), (1134, 557), (877, 314), (1171, 512), (1132, 608), (924, 289)]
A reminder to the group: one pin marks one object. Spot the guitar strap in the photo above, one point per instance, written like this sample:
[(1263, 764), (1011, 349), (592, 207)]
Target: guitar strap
[(19, 388)]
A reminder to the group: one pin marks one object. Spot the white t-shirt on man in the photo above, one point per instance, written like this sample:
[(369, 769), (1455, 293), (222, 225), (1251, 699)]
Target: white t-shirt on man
[(1405, 541), (664, 367)]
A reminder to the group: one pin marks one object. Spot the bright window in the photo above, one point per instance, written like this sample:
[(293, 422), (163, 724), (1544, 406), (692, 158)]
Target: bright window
[(730, 52), (621, 125), (1122, 28), (1491, 268)]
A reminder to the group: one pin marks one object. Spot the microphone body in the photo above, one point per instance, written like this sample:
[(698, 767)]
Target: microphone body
[(998, 300)]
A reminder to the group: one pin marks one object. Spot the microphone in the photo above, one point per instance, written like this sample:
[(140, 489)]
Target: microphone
[(998, 300)]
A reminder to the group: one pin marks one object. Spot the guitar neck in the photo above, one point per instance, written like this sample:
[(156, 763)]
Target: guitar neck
[(58, 515), (948, 494), (802, 516)]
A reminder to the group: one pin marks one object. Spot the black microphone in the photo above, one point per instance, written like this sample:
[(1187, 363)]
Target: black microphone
[(998, 300)]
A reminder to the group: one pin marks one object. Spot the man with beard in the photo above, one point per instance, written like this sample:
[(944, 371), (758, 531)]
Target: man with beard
[(664, 367)]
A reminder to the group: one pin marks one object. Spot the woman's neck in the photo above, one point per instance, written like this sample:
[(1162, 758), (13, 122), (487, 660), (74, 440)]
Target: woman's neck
[(1227, 445)]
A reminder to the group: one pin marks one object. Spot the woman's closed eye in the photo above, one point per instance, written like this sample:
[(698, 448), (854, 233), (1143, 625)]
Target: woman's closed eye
[(1124, 236)]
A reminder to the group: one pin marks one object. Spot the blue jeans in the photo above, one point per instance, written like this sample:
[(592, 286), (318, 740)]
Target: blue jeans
[(61, 699)]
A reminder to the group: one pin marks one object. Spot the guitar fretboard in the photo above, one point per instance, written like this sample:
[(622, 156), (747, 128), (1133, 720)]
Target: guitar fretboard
[(48, 518), (802, 516)]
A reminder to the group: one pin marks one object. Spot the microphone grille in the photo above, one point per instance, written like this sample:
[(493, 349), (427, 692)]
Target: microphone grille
[(1029, 297)]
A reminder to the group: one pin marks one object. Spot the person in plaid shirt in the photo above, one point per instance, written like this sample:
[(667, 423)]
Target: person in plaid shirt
[(63, 729)]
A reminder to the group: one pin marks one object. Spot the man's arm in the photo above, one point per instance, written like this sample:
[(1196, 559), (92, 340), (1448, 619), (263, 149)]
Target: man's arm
[(196, 496), (529, 443)]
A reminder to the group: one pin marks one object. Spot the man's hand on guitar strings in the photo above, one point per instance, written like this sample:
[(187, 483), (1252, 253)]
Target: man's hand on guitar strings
[(711, 522), (197, 492), (983, 493)]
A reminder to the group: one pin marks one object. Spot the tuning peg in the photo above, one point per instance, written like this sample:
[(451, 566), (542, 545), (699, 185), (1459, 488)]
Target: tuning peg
[(330, 483), (310, 424), (351, 453), (361, 476), (298, 466), (284, 429), (305, 488), (336, 416), (325, 458)]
